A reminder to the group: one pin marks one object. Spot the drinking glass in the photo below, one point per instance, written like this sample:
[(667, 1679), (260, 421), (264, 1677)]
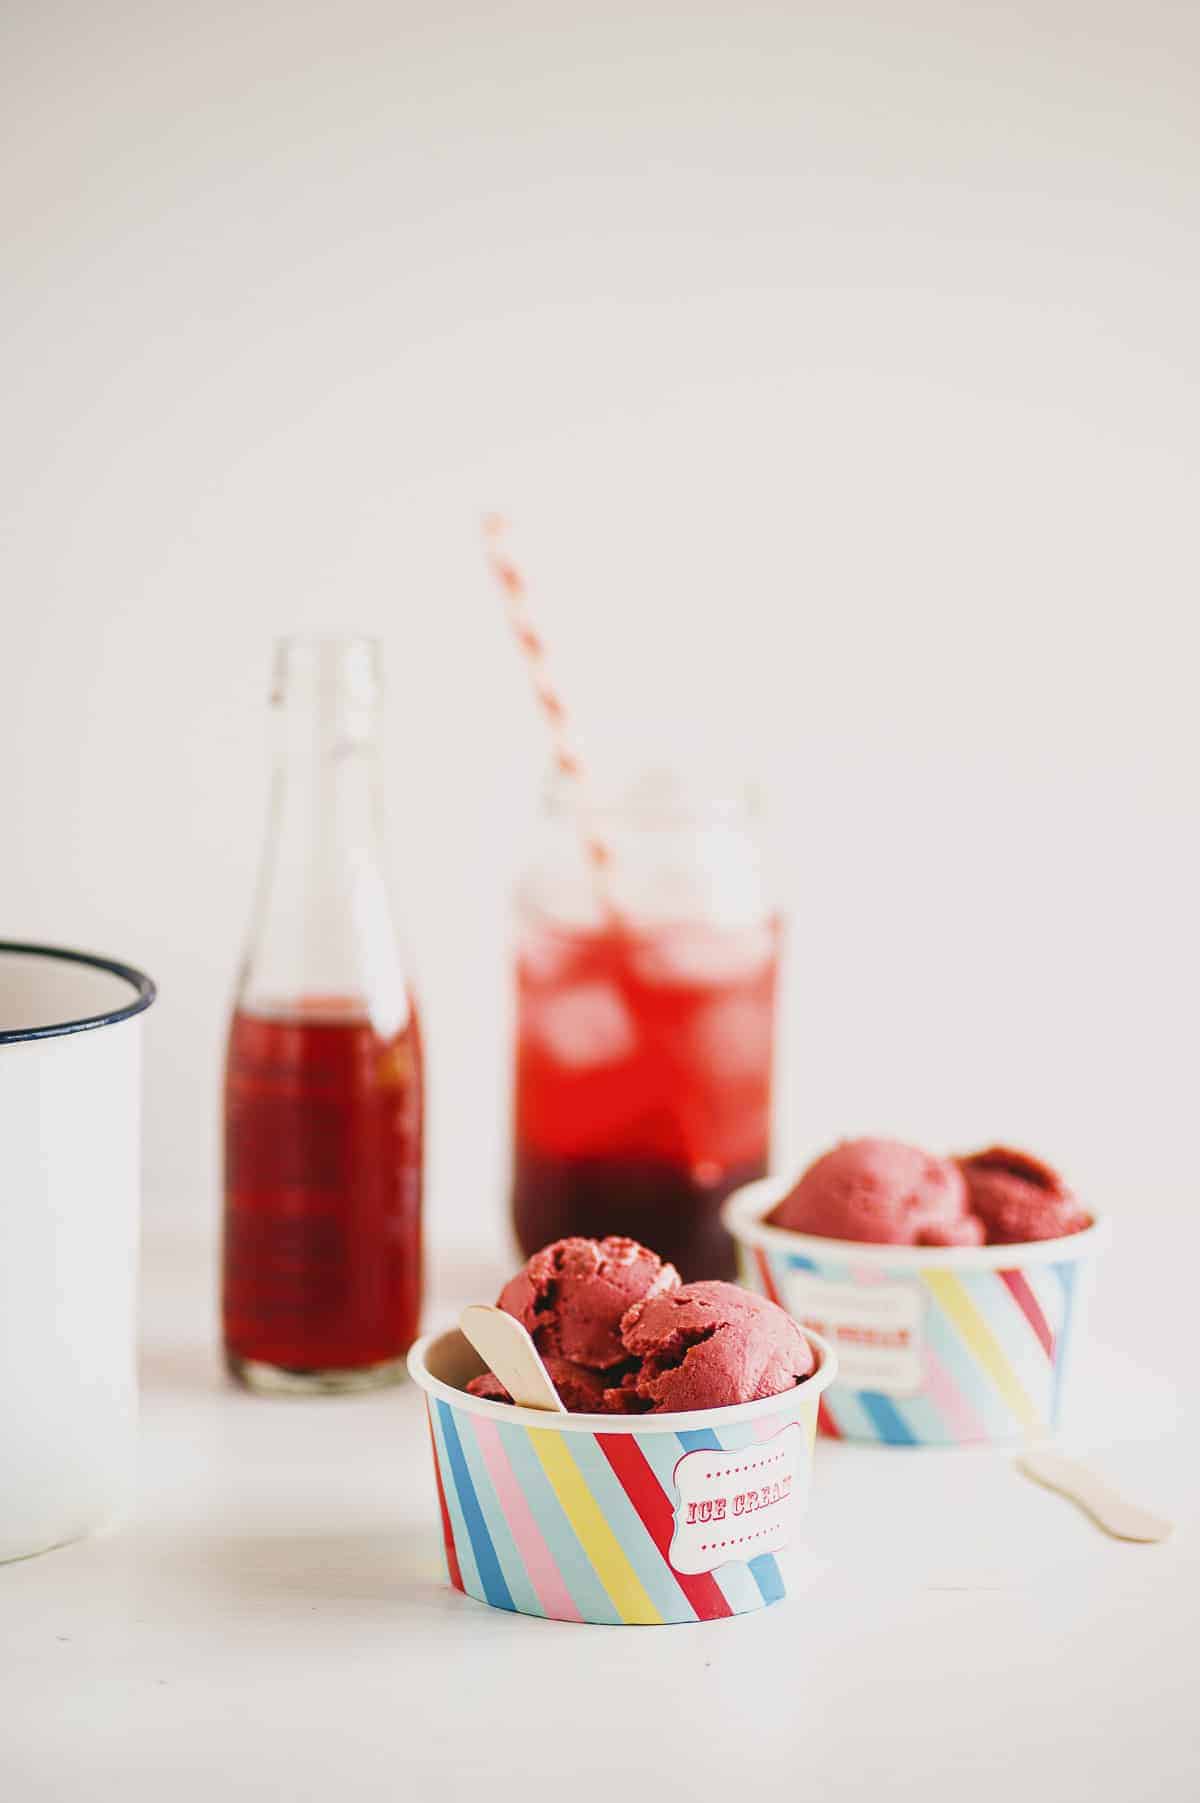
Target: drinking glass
[(645, 1019)]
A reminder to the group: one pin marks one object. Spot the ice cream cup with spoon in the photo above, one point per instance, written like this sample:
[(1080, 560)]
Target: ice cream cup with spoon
[(638, 1515)]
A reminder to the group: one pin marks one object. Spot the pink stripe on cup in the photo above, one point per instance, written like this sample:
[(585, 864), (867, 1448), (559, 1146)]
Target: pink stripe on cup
[(539, 1561), (770, 1425), (961, 1418)]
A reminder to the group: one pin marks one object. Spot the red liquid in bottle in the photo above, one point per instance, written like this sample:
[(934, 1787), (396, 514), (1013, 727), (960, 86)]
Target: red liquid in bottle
[(643, 1084), (322, 1266)]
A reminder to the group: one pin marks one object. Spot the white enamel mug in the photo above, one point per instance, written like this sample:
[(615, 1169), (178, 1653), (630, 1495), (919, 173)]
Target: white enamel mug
[(70, 1128)]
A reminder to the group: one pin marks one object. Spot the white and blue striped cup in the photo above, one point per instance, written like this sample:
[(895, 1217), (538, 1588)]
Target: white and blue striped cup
[(936, 1346), (617, 1518)]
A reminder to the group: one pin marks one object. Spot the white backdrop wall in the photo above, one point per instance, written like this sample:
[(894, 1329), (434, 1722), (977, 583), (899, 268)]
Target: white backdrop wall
[(839, 365)]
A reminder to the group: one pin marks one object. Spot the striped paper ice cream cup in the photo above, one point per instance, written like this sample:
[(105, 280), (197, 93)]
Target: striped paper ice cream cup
[(936, 1346), (617, 1518)]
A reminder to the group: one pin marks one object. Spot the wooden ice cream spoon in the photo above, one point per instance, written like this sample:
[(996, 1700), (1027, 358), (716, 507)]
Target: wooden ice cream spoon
[(1123, 1520), (511, 1356)]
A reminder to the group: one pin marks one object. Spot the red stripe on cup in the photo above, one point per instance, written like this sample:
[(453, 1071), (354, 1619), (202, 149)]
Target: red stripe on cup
[(644, 1491), (452, 1564), (826, 1423), (1030, 1307)]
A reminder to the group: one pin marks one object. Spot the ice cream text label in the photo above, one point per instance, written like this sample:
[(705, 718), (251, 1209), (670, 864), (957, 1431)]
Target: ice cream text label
[(876, 1328), (723, 1508), (735, 1505)]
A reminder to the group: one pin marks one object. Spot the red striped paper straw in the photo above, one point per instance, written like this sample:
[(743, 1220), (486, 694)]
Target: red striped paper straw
[(532, 647)]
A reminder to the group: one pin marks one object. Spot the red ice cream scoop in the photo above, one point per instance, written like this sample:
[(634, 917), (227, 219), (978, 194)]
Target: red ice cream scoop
[(884, 1192), (707, 1346), (571, 1295), (1018, 1198)]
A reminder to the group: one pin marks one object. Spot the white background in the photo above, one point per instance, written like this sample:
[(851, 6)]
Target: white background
[(838, 364)]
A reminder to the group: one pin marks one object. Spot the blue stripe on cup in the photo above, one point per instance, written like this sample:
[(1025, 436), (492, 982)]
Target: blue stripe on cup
[(490, 1575)]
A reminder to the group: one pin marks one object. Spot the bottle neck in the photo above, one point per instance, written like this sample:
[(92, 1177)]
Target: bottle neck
[(323, 935), (327, 787)]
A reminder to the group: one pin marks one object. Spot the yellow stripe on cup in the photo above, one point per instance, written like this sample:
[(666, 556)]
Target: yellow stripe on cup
[(624, 1587), (949, 1292)]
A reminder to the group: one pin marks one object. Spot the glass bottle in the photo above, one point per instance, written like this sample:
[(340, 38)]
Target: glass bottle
[(323, 1080), (645, 1021)]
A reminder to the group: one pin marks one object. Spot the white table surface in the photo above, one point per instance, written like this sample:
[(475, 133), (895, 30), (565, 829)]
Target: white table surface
[(276, 1623)]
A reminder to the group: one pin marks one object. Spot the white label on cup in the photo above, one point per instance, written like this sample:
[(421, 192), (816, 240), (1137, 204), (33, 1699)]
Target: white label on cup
[(875, 1329), (735, 1505)]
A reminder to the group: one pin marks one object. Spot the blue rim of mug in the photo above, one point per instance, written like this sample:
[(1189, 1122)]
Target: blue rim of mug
[(144, 986)]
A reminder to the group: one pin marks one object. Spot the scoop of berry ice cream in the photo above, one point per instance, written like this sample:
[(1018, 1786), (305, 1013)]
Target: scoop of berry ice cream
[(884, 1192), (1018, 1198), (571, 1295), (706, 1346)]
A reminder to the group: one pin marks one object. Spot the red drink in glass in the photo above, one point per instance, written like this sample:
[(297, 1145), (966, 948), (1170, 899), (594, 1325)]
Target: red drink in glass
[(643, 1081), (323, 1191)]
